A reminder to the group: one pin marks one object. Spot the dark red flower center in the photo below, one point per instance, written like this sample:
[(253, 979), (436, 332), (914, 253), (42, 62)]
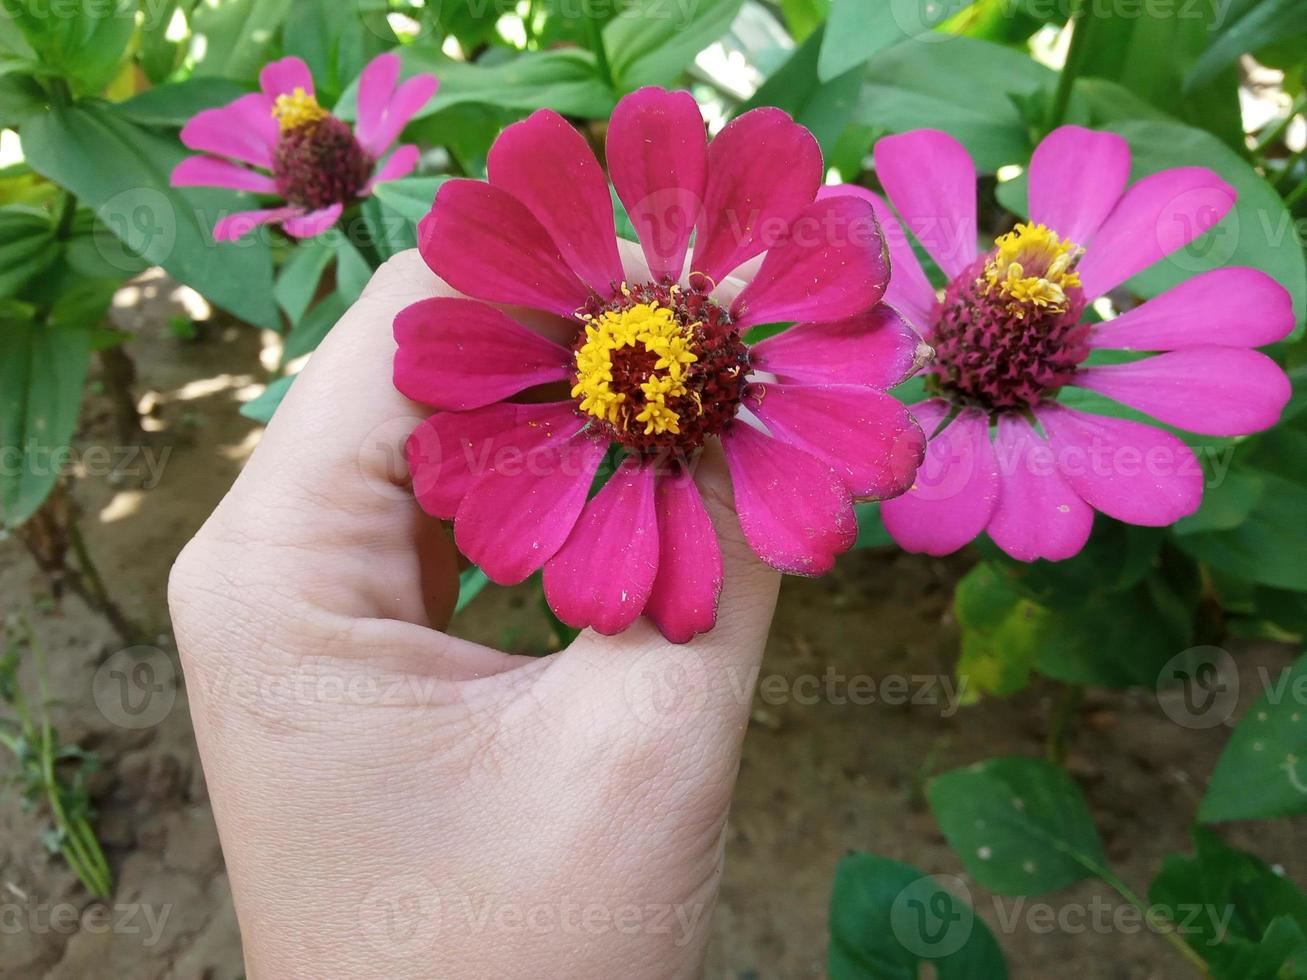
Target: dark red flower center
[(317, 161)]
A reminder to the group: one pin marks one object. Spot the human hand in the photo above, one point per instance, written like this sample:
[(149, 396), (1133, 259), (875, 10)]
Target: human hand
[(396, 802)]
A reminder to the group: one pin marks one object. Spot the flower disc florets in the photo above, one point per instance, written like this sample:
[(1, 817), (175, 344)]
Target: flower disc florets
[(317, 161), (658, 368)]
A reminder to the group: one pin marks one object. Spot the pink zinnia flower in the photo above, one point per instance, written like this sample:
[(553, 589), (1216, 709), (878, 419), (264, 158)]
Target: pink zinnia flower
[(317, 164), (655, 361), (1004, 456)]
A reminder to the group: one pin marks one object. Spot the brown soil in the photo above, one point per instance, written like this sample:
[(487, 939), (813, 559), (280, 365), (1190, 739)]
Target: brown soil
[(818, 779)]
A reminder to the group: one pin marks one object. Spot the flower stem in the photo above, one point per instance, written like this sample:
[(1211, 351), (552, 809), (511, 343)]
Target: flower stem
[(1078, 25), (1163, 926)]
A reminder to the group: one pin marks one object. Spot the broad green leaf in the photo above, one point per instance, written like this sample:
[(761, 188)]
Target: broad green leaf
[(1262, 772), (1267, 22), (172, 105), (122, 172), (84, 304), (917, 85), (297, 282), (1001, 632), (803, 17), (261, 407), (390, 231), (411, 197), (651, 42), (42, 371), (888, 919), (305, 336), (27, 246), (352, 270), (157, 55), (857, 30), (1250, 919), (236, 36), (1226, 504), (1020, 826), (20, 97), (471, 581), (332, 39), (871, 529), (83, 43), (1268, 545)]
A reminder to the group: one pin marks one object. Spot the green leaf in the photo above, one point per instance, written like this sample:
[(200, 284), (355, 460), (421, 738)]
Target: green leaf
[(352, 270), (411, 197), (305, 336), (1226, 504), (871, 529), (42, 371), (803, 17), (1020, 826), (95, 252), (173, 104), (1001, 632), (27, 246), (911, 86), (857, 30), (157, 55), (237, 35), (333, 40), (1265, 23), (1253, 918), (1262, 772), (297, 283), (888, 919), (122, 171), (83, 43), (20, 97), (652, 42), (85, 304), (261, 407), (471, 581), (1268, 545)]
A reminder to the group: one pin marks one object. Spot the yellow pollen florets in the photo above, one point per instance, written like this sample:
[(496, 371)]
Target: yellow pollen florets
[(1033, 267), (294, 110), (648, 327)]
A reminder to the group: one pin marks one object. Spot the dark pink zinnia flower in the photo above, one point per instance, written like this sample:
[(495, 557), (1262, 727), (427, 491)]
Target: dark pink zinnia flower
[(655, 360), (317, 164), (1004, 456)]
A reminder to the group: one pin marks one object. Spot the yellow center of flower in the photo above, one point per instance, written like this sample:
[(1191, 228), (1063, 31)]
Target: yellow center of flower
[(294, 110), (640, 348), (1034, 268)]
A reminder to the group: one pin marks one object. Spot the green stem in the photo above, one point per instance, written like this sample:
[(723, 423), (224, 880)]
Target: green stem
[(601, 53), (1272, 135), (66, 215), (1284, 178), (1163, 926), (1060, 731), (1075, 62), (1296, 195)]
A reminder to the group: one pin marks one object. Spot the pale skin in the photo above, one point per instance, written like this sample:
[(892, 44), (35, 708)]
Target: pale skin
[(395, 802)]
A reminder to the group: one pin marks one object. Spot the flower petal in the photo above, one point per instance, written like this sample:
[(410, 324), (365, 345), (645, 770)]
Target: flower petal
[(460, 354), (519, 512), (683, 602), (658, 159), (956, 487), (1038, 514), (864, 435), (1232, 307), (1158, 215), (284, 77), (376, 86), (795, 511), (931, 181), (1131, 471), (486, 244), (409, 99), (243, 130), (831, 264), (548, 166), (241, 223), (216, 172), (603, 575), (1218, 391), (763, 169), (1077, 175), (399, 164), (314, 223), (448, 452), (876, 348), (909, 291)]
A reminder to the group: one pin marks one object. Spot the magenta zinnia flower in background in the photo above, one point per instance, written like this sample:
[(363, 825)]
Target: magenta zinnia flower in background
[(1004, 456), (316, 163), (653, 359)]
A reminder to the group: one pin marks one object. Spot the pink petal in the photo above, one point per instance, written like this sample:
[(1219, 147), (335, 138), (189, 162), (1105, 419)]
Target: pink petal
[(875, 348), (284, 77), (243, 130), (485, 243), (931, 181), (1131, 471), (408, 100), (314, 223), (1077, 176), (795, 511), (1038, 514), (956, 488), (1218, 391), (1232, 307), (604, 573), (398, 164), (831, 264), (658, 160), (450, 451), (461, 354), (519, 512), (909, 290), (684, 598), (1158, 215), (863, 434), (548, 166), (241, 223), (376, 86), (215, 172), (763, 168)]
